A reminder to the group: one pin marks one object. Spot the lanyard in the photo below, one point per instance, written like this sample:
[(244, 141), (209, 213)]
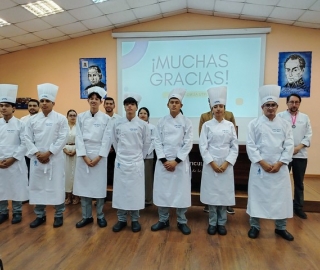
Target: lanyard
[(293, 120)]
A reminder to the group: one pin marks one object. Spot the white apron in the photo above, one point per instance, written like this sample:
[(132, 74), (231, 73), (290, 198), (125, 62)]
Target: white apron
[(131, 143), (47, 181), (13, 180), (269, 194), (173, 139), (218, 142), (92, 140)]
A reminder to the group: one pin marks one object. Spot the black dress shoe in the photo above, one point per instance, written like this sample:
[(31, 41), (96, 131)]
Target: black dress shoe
[(119, 226), (284, 234), (222, 230), (16, 218), (135, 226), (102, 222), (184, 228), (230, 210), (300, 213), (212, 229), (253, 232), (37, 222), (83, 222), (58, 222), (159, 226), (3, 217)]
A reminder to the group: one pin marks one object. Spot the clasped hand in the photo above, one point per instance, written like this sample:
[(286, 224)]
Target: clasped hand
[(170, 165), (219, 169), (43, 157), (91, 162), (6, 163), (270, 168)]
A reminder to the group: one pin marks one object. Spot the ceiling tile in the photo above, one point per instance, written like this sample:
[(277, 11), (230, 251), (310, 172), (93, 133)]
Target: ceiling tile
[(310, 17), (59, 19), (72, 4), (204, 4), (7, 4), (140, 3), (228, 7), (11, 31), (54, 40), (122, 17), (120, 25), (102, 29), (8, 43), (257, 10), (72, 28), (99, 22), (49, 33), (18, 48), (300, 4), (239, 1), (147, 11), (85, 13), (200, 11), (227, 15), (16, 14), (253, 18), (173, 5), (272, 20), (315, 6), (113, 6), (3, 52), (286, 13), (309, 25), (175, 12), (25, 39), (34, 25), (263, 2), (81, 34), (36, 44), (152, 18)]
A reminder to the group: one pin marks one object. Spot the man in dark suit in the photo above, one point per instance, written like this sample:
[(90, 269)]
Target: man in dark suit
[(206, 117)]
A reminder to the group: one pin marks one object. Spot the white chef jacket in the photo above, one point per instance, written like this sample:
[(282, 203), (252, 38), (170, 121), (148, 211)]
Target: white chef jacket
[(218, 142), (131, 141), (92, 140), (302, 132), (173, 140), (47, 181), (269, 194), (13, 180)]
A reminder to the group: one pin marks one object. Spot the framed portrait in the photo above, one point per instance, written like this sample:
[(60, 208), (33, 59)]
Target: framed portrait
[(294, 73), (22, 103), (93, 72)]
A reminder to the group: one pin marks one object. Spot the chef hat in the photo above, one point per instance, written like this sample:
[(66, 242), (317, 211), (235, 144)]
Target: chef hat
[(269, 93), (8, 93), (47, 91), (99, 90), (177, 93), (217, 95), (135, 96)]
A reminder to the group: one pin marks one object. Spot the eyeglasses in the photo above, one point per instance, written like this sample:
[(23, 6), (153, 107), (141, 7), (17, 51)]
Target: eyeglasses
[(270, 105), (294, 102)]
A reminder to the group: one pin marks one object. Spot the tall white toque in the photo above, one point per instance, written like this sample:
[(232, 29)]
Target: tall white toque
[(177, 93), (8, 93), (269, 93), (135, 96), (217, 95), (47, 91), (99, 90)]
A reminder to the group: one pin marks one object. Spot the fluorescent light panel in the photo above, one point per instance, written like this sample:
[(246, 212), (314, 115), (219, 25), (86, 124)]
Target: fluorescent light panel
[(3, 23), (43, 8), (98, 1)]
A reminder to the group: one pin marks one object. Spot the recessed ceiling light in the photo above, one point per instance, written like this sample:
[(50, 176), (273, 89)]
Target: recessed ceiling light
[(43, 8), (98, 1), (3, 23)]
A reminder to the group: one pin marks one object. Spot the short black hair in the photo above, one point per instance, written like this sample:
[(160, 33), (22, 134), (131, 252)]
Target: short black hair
[(130, 100), (94, 93), (146, 109), (109, 98), (302, 62), (34, 100), (293, 95)]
